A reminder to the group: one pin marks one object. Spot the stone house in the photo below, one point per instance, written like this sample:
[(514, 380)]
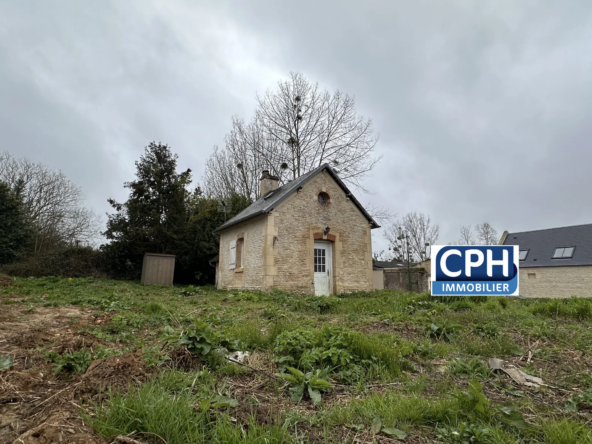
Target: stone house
[(309, 236), (554, 263)]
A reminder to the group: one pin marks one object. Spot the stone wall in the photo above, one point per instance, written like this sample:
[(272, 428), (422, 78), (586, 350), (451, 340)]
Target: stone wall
[(396, 279), (251, 276), (555, 282)]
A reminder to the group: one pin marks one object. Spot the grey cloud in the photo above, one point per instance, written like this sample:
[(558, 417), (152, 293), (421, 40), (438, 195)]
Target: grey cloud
[(484, 108)]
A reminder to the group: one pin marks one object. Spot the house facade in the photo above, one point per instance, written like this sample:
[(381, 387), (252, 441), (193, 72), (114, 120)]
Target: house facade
[(554, 263), (309, 236)]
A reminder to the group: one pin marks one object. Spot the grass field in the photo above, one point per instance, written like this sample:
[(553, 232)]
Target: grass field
[(89, 360)]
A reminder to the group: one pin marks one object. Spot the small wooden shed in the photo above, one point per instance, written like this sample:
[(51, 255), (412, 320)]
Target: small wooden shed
[(158, 269)]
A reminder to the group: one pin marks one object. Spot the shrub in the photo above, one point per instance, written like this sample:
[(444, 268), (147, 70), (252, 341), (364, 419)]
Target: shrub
[(67, 261)]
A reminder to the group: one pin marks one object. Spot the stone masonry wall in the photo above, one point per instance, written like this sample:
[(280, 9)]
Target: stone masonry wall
[(252, 274), (396, 279), (556, 282)]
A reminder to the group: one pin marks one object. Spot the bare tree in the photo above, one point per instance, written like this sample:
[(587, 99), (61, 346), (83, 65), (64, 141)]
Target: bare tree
[(416, 230), (383, 256), (483, 234), (467, 237), (486, 234), (52, 203), (295, 129)]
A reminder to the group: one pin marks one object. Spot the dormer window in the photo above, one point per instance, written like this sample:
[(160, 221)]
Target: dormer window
[(523, 254), (564, 253)]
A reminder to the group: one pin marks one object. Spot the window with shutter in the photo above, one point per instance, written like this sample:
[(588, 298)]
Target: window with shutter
[(240, 253), (232, 257)]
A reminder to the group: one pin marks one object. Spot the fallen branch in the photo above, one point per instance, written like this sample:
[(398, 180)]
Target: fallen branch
[(269, 375)]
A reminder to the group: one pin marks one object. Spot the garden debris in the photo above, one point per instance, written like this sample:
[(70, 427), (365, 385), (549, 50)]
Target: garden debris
[(515, 373), (239, 356), (235, 356), (62, 426)]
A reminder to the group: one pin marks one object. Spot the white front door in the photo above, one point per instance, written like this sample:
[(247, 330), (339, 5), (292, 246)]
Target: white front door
[(322, 268)]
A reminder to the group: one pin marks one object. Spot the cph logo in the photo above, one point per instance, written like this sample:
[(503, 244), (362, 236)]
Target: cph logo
[(473, 270)]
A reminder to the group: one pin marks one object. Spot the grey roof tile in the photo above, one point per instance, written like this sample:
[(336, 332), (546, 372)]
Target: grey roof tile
[(267, 203), (542, 244)]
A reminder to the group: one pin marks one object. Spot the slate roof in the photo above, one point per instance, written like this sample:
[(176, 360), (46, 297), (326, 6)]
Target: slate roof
[(542, 244), (267, 203)]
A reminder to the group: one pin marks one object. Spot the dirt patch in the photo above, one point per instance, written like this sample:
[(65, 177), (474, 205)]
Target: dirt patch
[(117, 372), (63, 426), (35, 405), (182, 359), (30, 399), (262, 414), (5, 281)]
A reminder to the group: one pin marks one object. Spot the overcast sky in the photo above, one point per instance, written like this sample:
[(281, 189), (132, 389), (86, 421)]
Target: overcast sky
[(484, 108)]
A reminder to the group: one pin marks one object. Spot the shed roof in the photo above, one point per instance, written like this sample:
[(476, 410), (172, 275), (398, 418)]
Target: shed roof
[(267, 203), (541, 245)]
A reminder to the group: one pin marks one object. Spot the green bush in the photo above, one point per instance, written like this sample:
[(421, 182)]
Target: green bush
[(75, 262)]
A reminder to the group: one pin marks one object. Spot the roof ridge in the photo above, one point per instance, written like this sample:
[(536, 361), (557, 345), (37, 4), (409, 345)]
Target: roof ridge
[(549, 229)]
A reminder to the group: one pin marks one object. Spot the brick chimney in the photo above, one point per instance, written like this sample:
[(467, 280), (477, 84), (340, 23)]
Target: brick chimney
[(268, 183)]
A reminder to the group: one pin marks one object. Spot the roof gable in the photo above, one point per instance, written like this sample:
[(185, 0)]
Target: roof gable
[(267, 203), (541, 245)]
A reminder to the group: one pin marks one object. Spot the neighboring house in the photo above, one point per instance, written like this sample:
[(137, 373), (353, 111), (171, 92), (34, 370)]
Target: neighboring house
[(309, 236), (554, 263)]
